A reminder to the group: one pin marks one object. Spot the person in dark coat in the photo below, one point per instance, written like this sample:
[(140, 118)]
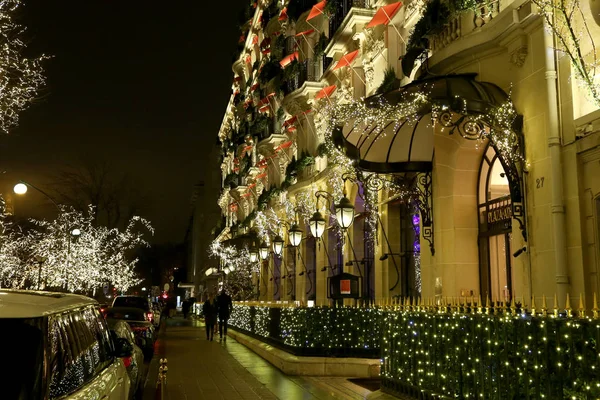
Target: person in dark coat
[(225, 307), (210, 316), (185, 307)]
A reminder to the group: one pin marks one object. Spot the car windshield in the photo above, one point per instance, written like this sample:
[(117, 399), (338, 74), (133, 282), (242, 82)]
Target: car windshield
[(128, 315), (26, 355), (137, 302)]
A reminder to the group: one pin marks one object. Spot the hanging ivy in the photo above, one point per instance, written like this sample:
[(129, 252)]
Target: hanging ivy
[(320, 46), (231, 180), (266, 196), (389, 82), (270, 70)]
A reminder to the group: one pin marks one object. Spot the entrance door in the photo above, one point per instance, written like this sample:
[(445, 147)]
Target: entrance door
[(500, 267), (495, 230)]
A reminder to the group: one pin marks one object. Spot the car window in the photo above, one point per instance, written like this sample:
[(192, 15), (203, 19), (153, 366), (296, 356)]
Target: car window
[(137, 302), (80, 350), (67, 372), (23, 354)]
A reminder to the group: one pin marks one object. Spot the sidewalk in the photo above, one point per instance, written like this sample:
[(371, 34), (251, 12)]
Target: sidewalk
[(200, 369)]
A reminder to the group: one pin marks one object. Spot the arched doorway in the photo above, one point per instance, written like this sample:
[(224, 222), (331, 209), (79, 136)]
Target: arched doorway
[(495, 229)]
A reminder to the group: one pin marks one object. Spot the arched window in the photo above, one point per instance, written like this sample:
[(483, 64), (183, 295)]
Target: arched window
[(495, 229)]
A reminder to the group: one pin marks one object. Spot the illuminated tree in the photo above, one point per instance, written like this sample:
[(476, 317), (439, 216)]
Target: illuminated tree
[(20, 77)]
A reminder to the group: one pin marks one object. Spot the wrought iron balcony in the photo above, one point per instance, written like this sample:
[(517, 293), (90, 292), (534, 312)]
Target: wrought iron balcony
[(343, 8), (310, 70)]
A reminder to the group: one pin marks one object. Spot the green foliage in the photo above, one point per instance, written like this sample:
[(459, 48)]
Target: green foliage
[(322, 150), (231, 180), (246, 222), (292, 70), (270, 70), (389, 82), (255, 66), (266, 196), (277, 48), (259, 125), (436, 16), (295, 8), (321, 45), (330, 8), (295, 167)]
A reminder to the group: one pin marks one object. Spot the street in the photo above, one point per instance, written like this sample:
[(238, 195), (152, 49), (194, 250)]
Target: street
[(200, 369)]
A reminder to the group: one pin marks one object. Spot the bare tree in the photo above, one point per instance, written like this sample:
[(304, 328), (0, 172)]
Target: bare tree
[(112, 193)]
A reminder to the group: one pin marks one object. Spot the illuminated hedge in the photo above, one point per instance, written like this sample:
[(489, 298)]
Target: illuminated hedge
[(315, 330), (514, 356)]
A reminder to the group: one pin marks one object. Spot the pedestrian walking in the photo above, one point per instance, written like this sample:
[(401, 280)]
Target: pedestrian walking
[(186, 308), (225, 307), (210, 316)]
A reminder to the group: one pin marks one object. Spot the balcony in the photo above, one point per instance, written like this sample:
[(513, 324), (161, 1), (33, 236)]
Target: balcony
[(309, 70), (471, 33), (343, 9)]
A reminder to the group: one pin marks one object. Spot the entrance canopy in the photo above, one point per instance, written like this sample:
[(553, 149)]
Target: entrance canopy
[(458, 103)]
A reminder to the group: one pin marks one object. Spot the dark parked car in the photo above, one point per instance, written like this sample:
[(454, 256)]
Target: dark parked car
[(134, 363), (139, 322), (142, 303)]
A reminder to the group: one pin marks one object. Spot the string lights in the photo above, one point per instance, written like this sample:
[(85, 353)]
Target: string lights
[(20, 77)]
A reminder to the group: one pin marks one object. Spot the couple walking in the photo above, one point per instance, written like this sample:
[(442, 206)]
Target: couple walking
[(221, 307)]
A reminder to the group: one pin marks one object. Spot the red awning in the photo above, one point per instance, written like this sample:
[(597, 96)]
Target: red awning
[(290, 121), (384, 15), (317, 10), (266, 51), (326, 92), (307, 111), (242, 39), (254, 87), (237, 79), (284, 145), (260, 176), (291, 129), (283, 14), (255, 39), (304, 33), (264, 108), (346, 60), (248, 59), (288, 59)]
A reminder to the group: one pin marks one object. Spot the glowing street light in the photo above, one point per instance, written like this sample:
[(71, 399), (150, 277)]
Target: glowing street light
[(20, 188)]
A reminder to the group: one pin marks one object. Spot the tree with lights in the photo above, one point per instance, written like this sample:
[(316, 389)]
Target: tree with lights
[(52, 257), (20, 77), (568, 21)]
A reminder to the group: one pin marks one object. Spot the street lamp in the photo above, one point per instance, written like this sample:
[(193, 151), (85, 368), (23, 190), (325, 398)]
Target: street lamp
[(317, 224), (76, 232), (344, 212), (253, 254), (295, 235), (20, 188), (278, 245), (263, 251)]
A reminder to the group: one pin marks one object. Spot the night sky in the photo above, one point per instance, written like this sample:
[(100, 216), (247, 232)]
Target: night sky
[(142, 85)]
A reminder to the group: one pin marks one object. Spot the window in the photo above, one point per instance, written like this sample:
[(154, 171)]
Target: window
[(23, 364)]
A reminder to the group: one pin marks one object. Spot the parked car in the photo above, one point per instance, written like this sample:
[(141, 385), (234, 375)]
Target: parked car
[(58, 345), (140, 324), (135, 362), (103, 308), (143, 303)]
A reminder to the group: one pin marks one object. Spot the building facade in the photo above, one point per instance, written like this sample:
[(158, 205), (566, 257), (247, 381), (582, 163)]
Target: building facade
[(460, 136)]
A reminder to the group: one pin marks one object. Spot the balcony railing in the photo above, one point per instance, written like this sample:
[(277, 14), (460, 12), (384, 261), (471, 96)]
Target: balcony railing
[(310, 70), (343, 8), (463, 24)]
